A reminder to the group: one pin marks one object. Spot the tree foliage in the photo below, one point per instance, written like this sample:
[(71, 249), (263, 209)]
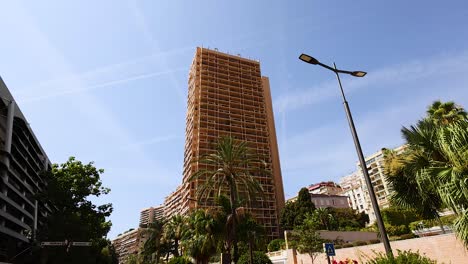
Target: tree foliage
[(258, 257), (230, 170), (276, 244), (396, 216), (75, 217), (294, 213), (337, 219), (307, 240), (431, 173), (152, 248), (199, 240)]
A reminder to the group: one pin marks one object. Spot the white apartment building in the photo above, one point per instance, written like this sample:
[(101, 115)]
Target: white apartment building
[(354, 188), (354, 185)]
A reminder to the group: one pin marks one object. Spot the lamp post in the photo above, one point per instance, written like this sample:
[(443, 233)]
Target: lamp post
[(362, 161)]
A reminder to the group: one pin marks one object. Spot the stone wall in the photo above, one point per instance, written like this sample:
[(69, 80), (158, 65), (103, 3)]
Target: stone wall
[(442, 248)]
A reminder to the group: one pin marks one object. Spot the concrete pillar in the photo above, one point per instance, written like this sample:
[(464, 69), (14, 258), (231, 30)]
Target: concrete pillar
[(8, 140)]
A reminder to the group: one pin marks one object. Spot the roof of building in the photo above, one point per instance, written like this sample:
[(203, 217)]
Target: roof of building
[(327, 195), (318, 185)]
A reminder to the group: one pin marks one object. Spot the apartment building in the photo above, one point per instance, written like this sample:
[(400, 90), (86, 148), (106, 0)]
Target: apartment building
[(227, 95), (354, 188), (173, 202), (127, 243), (21, 161), (354, 185), (149, 215)]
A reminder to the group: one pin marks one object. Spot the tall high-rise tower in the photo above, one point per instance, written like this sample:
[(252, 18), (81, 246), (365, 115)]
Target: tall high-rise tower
[(228, 96)]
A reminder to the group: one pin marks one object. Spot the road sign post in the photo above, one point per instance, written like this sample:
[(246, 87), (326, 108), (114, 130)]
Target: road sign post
[(329, 249)]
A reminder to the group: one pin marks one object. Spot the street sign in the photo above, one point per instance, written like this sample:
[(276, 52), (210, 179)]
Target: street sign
[(81, 244), (329, 249), (53, 243)]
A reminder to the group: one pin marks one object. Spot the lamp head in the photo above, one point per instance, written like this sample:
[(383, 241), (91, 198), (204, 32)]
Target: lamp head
[(358, 73), (308, 59)]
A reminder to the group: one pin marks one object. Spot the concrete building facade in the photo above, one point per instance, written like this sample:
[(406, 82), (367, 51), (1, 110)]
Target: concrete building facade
[(227, 95), (173, 203), (149, 215), (127, 243), (21, 161), (355, 188), (325, 201)]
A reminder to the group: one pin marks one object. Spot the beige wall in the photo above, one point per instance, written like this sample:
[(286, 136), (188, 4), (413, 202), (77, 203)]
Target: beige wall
[(348, 236), (442, 248)]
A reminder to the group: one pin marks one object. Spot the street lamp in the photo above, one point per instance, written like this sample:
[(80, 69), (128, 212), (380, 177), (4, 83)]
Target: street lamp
[(375, 206)]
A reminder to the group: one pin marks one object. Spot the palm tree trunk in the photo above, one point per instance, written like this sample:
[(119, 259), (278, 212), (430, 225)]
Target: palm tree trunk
[(232, 197), (176, 247)]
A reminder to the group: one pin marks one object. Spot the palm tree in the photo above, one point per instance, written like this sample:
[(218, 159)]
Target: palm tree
[(151, 248), (432, 172), (401, 172), (451, 177), (230, 169), (445, 113), (199, 239), (173, 230), (324, 217)]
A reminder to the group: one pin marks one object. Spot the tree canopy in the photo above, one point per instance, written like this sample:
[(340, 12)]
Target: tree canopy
[(75, 217), (431, 173), (295, 212)]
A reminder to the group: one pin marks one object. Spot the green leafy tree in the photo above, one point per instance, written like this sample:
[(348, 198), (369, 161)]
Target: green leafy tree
[(173, 231), (134, 259), (230, 170), (445, 113), (199, 240), (75, 217), (307, 240), (276, 244), (322, 219), (179, 260), (258, 257), (399, 216), (431, 174), (151, 251), (347, 219), (295, 212)]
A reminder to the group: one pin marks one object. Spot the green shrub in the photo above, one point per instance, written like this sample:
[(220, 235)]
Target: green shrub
[(275, 245), (407, 236), (374, 241), (258, 258), (404, 257), (347, 245), (179, 260), (397, 230), (398, 216), (359, 243), (338, 246)]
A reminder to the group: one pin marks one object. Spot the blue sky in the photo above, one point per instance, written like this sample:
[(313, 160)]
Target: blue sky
[(106, 81)]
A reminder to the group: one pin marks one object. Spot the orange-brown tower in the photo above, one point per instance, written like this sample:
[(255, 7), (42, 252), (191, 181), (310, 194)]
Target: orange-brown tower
[(228, 96)]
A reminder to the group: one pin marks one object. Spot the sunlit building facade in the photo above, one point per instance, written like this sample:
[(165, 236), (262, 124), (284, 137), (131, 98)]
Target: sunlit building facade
[(227, 95)]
